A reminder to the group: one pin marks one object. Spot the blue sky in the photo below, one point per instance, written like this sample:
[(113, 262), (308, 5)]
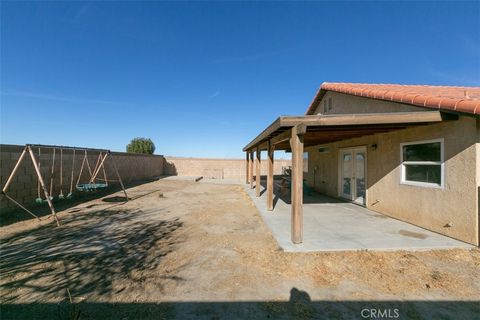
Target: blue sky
[(204, 78)]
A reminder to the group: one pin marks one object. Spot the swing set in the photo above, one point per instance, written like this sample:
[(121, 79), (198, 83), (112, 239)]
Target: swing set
[(94, 183)]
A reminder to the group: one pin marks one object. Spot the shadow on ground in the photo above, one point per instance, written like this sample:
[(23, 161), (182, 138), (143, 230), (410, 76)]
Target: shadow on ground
[(282, 191), (42, 210), (115, 199), (85, 255), (299, 306)]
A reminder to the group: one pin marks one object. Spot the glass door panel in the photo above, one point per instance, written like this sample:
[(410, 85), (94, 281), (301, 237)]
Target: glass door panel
[(346, 179), (359, 192), (353, 164)]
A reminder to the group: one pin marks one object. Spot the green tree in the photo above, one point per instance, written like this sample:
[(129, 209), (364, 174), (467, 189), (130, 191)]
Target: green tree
[(141, 145)]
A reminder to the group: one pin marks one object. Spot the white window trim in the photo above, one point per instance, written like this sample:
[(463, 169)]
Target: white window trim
[(441, 163)]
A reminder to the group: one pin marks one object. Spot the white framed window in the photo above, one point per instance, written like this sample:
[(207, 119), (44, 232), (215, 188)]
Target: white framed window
[(422, 163)]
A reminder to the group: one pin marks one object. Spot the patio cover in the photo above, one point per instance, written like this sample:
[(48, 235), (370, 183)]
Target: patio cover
[(293, 133), (322, 129)]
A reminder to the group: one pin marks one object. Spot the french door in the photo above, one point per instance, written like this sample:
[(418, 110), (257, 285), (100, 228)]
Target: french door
[(353, 164)]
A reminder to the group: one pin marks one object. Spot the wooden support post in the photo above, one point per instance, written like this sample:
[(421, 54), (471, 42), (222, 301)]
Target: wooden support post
[(18, 204), (52, 173), (88, 164), (270, 150), (296, 143), (100, 166), (42, 184), (118, 175), (250, 169), (105, 176), (9, 180), (81, 168), (247, 175), (17, 165), (100, 157), (258, 173)]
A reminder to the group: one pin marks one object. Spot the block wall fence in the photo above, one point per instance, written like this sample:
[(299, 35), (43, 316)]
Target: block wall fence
[(232, 169), (132, 167), (24, 187)]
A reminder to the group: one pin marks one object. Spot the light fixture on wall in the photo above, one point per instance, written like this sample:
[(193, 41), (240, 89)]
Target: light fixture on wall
[(374, 146), (324, 150)]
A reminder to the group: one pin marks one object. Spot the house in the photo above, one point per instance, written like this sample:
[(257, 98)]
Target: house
[(411, 152)]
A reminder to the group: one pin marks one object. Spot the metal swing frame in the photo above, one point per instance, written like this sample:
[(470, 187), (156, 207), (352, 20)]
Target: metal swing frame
[(104, 154)]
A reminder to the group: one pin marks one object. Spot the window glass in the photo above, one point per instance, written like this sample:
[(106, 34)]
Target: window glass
[(424, 173), (347, 173), (360, 174), (422, 152), (305, 162), (422, 162)]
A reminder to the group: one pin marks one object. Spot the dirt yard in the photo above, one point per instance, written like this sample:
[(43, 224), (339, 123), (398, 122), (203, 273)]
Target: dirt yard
[(201, 250)]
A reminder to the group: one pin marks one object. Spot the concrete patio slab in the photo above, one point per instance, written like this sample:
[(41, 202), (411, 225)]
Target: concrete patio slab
[(182, 178), (333, 225), (220, 181)]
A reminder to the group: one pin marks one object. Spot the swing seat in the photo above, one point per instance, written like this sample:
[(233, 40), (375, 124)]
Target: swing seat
[(86, 187), (41, 201)]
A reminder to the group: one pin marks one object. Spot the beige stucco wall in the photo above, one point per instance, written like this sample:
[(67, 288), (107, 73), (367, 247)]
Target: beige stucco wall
[(456, 203), (231, 169), (478, 175), (345, 103)]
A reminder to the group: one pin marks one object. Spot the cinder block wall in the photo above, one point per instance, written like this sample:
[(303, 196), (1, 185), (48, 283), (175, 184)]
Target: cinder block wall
[(132, 167), (233, 169), (24, 187)]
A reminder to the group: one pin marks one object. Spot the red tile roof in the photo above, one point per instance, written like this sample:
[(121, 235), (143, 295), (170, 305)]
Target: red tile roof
[(459, 99)]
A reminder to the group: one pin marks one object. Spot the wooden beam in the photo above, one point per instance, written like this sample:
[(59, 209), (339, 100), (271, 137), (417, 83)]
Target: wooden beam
[(247, 175), (258, 173), (42, 184), (296, 143), (282, 137), (46, 146), (287, 122), (9, 180), (263, 145), (271, 149), (250, 169), (100, 166), (265, 133), (363, 118), (118, 174), (14, 171), (301, 128)]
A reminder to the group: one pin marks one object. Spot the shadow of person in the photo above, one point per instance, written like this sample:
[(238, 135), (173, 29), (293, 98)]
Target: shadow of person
[(298, 296), (300, 304)]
